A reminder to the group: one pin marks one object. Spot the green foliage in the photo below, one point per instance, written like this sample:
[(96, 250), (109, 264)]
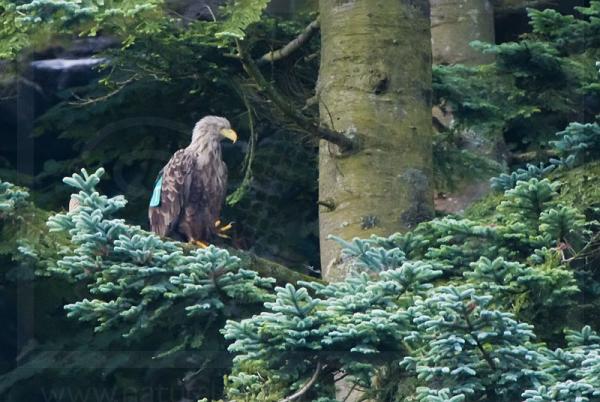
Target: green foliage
[(453, 165), (470, 349), (562, 224), (574, 370), (182, 71), (366, 254), (242, 13), (507, 181), (26, 24), (11, 198), (137, 291), (505, 279), (471, 94), (579, 143), (456, 305), (139, 280), (450, 304), (528, 199), (353, 322), (535, 86), (290, 326)]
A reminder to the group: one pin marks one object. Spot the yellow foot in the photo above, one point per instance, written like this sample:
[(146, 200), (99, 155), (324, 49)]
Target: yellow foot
[(221, 230), (199, 243), (218, 225)]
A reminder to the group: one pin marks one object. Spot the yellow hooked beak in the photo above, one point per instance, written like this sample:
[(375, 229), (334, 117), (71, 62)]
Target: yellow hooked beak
[(229, 133)]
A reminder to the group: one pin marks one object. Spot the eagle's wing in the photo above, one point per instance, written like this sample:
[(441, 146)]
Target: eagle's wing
[(174, 191)]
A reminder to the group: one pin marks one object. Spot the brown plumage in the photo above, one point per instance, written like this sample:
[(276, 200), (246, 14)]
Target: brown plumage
[(193, 187)]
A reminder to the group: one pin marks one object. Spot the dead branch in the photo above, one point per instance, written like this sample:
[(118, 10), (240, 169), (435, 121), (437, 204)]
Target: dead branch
[(88, 101), (345, 143), (292, 46)]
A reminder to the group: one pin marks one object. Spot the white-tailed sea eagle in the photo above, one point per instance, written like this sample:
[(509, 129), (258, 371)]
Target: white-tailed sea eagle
[(190, 189)]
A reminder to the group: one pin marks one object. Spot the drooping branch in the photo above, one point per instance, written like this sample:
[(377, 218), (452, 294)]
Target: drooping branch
[(271, 269), (243, 188), (306, 386), (345, 143), (292, 46)]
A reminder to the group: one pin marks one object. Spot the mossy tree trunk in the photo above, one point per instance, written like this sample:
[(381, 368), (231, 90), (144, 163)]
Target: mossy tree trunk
[(375, 80), (456, 23)]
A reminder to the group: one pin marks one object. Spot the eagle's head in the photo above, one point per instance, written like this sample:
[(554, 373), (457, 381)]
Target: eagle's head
[(213, 128)]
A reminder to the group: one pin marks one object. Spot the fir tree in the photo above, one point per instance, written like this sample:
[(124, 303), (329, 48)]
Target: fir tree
[(463, 341), (140, 282)]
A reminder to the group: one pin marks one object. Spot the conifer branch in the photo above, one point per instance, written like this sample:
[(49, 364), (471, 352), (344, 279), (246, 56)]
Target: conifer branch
[(345, 143)]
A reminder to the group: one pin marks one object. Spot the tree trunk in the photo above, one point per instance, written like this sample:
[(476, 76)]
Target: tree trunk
[(455, 24), (375, 81)]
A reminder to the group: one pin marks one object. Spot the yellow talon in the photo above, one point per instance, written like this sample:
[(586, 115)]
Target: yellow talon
[(199, 243), (226, 227), (223, 228)]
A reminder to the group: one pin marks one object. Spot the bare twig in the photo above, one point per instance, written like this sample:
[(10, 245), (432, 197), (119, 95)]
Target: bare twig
[(292, 46), (312, 101), (328, 112), (307, 386), (350, 393), (211, 13), (341, 377), (89, 101), (587, 250)]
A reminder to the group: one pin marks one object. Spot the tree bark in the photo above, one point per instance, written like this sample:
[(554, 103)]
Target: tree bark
[(455, 24), (375, 80)]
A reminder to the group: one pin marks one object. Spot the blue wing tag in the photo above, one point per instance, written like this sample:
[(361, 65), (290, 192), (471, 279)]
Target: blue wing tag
[(155, 200)]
